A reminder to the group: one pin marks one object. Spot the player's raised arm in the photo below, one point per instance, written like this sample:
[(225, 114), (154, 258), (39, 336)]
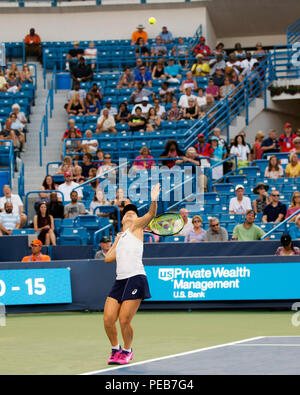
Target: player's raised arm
[(111, 254), (144, 221)]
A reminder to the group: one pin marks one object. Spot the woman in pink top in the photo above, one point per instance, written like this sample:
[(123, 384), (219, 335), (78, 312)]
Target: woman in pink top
[(212, 89), (144, 154)]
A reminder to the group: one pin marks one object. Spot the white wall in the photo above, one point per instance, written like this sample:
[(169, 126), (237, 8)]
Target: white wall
[(99, 25)]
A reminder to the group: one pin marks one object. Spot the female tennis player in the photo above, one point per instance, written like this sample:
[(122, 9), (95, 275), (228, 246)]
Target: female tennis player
[(131, 285)]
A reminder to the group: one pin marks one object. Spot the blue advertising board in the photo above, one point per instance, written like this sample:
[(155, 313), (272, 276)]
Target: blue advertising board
[(35, 286), (247, 281)]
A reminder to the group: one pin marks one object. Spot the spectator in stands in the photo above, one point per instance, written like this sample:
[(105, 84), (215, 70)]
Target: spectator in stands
[(73, 55), (112, 110), (192, 111), (275, 211), (153, 120), (189, 82), (87, 164), (91, 105), (77, 175), (8, 219), (173, 71), (217, 64), (259, 53), (219, 50), (72, 146), (144, 76), (235, 79), (166, 93), (20, 115), (17, 204), (183, 101), (3, 83), (7, 134), (43, 224), (36, 256), (158, 71), (74, 208), (81, 72), (139, 33), (89, 145), (106, 123), (137, 121), (295, 230), (286, 139), (66, 166), (140, 92), (171, 150), (108, 166), (14, 83), (17, 127), (191, 156), (248, 231), (270, 145), (82, 93), (174, 114), (188, 225), (159, 108), (144, 160), (90, 54), (67, 187), (200, 68), (47, 185), (96, 92), (56, 208), (202, 147), (126, 79), (296, 143), (263, 198), (76, 105), (219, 77), (99, 199), (247, 64), (202, 48), (293, 168), (94, 183), (239, 51), (197, 234), (206, 108), (295, 206), (71, 128), (158, 49), (181, 51), (166, 36), (105, 245), (144, 106), (33, 45), (141, 49), (201, 98), (287, 248), (233, 64), (241, 150), (212, 89), (26, 75), (227, 88), (219, 153), (274, 169), (256, 149), (239, 204), (123, 115), (215, 231), (120, 201)]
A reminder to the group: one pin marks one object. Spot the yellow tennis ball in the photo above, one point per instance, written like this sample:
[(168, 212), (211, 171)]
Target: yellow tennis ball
[(152, 20)]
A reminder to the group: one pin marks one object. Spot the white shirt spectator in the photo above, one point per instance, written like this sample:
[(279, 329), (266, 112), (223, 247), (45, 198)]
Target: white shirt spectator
[(93, 148), (241, 151), (240, 207), (247, 65), (108, 123), (144, 109), (15, 200), (112, 111), (66, 189), (183, 101), (235, 66), (201, 101), (187, 228)]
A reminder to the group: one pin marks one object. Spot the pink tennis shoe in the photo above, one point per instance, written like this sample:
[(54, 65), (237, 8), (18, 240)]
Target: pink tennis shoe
[(125, 357), (114, 357)]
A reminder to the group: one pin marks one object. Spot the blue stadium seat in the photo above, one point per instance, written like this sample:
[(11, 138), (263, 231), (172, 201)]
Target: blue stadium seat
[(73, 236)]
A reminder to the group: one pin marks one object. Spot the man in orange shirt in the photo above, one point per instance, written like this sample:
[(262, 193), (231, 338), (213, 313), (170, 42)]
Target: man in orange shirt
[(36, 255), (33, 45), (139, 33)]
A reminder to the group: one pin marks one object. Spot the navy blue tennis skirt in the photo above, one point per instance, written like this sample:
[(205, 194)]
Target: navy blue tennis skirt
[(131, 288)]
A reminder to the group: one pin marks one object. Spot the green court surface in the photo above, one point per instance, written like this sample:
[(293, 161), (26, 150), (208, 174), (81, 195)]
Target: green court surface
[(74, 343)]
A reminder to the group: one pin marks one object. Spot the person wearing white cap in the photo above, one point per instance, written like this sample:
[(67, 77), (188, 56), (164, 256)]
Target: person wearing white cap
[(239, 204), (144, 106)]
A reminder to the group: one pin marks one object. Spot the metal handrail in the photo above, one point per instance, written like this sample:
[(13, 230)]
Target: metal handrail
[(280, 224)]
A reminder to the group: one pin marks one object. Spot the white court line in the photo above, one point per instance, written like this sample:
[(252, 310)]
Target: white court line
[(267, 345), (173, 356)]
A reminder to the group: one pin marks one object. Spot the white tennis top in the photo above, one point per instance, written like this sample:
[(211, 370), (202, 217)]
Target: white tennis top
[(129, 255)]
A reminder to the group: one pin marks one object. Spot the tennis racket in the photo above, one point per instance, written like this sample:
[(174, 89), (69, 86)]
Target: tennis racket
[(167, 224)]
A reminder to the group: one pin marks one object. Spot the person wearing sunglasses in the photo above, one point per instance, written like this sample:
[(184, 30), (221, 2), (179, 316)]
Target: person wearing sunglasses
[(275, 211), (215, 231), (196, 234), (295, 206)]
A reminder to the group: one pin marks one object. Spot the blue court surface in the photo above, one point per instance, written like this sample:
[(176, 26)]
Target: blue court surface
[(255, 356)]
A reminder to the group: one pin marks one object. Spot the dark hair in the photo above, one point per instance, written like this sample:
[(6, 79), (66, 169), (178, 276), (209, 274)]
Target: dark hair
[(89, 156), (45, 184), (168, 145), (286, 240), (235, 142), (39, 211)]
